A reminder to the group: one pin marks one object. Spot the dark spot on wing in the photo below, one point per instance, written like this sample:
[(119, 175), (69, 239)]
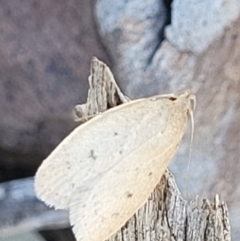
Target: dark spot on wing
[(120, 152), (115, 133), (150, 174), (68, 165), (92, 155), (172, 98), (129, 195)]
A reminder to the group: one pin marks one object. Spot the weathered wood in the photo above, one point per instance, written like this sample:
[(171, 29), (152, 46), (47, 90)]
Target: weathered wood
[(165, 216)]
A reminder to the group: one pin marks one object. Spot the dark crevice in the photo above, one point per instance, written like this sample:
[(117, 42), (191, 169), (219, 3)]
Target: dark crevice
[(135, 228), (161, 36), (186, 227), (160, 39), (168, 4), (57, 235)]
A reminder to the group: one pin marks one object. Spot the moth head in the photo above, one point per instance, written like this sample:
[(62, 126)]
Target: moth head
[(188, 97)]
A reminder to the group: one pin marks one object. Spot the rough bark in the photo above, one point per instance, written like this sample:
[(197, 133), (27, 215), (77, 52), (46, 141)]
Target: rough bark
[(165, 216)]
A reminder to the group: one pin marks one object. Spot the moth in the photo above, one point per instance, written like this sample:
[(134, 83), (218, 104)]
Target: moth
[(106, 169)]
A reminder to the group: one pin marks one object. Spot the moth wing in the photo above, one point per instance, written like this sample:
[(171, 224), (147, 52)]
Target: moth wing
[(112, 201), (86, 153), (56, 178), (121, 191)]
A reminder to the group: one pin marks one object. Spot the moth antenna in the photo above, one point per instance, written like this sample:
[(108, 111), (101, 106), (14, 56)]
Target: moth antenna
[(193, 106)]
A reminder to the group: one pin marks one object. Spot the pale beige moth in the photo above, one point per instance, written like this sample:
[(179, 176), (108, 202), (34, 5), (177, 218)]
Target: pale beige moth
[(106, 169)]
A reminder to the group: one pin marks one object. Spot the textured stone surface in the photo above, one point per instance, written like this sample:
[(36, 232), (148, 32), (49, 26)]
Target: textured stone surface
[(196, 24), (213, 74), (46, 48), (132, 31)]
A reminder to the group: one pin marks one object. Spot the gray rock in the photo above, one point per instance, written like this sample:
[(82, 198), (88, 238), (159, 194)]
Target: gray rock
[(196, 24), (45, 54), (132, 31)]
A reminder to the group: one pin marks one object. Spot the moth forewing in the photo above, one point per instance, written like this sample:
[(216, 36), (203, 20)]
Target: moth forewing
[(90, 150), (110, 214), (127, 185), (75, 157)]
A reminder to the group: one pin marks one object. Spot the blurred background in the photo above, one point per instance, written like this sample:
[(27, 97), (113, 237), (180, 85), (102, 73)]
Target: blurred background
[(152, 47)]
